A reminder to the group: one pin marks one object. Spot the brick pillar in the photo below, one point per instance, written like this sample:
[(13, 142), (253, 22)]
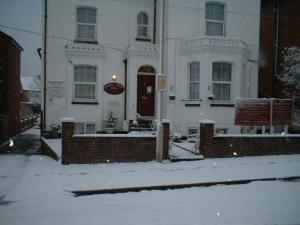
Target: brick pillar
[(66, 138), (206, 136), (166, 133)]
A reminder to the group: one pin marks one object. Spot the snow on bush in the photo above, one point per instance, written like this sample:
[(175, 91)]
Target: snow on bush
[(290, 75)]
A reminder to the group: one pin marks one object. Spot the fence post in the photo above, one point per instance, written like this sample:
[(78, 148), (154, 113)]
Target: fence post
[(206, 136), (66, 138), (166, 135)]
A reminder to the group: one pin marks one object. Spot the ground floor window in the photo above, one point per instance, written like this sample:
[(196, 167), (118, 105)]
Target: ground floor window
[(221, 81), (192, 133), (85, 83), (85, 128)]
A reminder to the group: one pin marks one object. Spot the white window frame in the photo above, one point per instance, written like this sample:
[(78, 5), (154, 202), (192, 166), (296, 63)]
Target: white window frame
[(143, 25), (223, 82), (208, 20), (85, 124), (84, 82), (94, 39), (193, 82)]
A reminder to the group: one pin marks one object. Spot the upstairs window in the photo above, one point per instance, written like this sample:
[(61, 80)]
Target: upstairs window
[(215, 19), (85, 83), (142, 26), (86, 24), (194, 80), (221, 81)]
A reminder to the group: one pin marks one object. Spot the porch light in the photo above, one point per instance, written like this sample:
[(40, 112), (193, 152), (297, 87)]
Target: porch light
[(114, 77)]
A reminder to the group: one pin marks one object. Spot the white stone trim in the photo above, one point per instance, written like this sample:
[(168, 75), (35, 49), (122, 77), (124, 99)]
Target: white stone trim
[(142, 50), (72, 49)]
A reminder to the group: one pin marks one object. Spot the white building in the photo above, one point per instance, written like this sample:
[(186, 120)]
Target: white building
[(210, 58)]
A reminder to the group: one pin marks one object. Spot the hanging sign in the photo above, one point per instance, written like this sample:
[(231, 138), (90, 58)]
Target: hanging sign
[(114, 88)]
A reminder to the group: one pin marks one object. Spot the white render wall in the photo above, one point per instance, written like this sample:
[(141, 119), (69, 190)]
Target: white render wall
[(185, 42)]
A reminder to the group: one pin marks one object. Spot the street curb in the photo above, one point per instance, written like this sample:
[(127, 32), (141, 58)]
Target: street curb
[(78, 193)]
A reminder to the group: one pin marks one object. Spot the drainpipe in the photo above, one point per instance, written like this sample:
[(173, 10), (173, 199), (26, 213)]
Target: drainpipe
[(125, 89), (276, 40), (154, 22), (45, 68)]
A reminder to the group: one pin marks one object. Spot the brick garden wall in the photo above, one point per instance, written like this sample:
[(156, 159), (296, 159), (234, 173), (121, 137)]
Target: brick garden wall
[(108, 148), (245, 145)]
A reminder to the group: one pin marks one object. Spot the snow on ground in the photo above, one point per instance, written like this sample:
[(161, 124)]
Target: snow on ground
[(40, 196), (34, 190)]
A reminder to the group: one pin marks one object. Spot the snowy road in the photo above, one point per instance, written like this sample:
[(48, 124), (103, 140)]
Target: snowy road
[(40, 197), (259, 203)]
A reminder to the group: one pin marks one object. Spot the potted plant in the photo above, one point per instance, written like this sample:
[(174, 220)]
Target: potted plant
[(55, 129), (110, 122)]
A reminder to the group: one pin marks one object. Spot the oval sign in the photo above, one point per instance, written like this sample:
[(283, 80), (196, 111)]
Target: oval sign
[(113, 88)]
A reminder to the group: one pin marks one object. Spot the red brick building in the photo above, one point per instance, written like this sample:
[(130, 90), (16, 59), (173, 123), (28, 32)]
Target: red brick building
[(10, 87), (279, 28)]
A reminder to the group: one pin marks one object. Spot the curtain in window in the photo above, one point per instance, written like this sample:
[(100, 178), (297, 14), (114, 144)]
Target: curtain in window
[(221, 81), (85, 82), (215, 19), (86, 23), (194, 80), (142, 25)]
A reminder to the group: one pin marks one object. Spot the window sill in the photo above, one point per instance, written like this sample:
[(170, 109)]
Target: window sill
[(191, 100), (192, 105), (85, 41), (222, 104), (84, 103), (143, 39)]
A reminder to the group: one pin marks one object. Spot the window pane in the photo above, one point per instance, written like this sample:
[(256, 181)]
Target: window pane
[(142, 19), (214, 28), (221, 91), (81, 15), (79, 128), (90, 129), (145, 19), (214, 11), (85, 74), (226, 72), (219, 12), (91, 16), (142, 31), (194, 71), (81, 31), (90, 33), (85, 91), (221, 72), (194, 90)]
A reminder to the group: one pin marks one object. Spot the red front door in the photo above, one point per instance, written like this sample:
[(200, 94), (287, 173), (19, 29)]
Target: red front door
[(146, 95)]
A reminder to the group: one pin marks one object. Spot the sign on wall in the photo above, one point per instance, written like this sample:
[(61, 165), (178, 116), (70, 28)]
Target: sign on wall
[(252, 112), (56, 89), (263, 111), (161, 82), (114, 88), (282, 111)]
